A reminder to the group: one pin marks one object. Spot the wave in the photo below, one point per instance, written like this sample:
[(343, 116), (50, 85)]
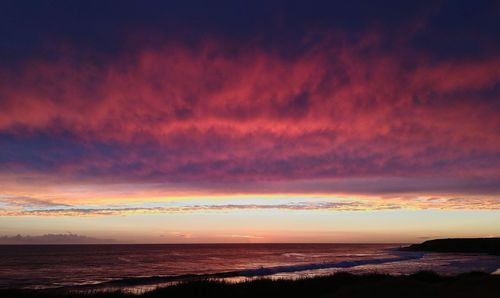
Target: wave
[(327, 265), (263, 271), (293, 254)]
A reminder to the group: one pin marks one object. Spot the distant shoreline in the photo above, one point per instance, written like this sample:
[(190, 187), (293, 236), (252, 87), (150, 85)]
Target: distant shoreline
[(458, 245)]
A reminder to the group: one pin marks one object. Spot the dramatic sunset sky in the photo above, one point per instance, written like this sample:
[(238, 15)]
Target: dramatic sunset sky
[(250, 121)]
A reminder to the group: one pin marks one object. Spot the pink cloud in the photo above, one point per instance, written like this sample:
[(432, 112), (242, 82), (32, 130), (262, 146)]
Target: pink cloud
[(340, 109)]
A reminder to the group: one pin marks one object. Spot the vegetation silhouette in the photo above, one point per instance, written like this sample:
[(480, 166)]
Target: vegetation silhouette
[(420, 284)]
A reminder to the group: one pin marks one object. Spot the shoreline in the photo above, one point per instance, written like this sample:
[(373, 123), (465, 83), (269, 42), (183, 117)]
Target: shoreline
[(341, 284)]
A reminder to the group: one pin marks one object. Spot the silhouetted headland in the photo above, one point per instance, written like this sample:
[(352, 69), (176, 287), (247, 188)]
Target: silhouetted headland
[(459, 245)]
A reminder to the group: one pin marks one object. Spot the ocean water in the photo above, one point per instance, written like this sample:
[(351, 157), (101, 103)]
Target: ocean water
[(143, 267)]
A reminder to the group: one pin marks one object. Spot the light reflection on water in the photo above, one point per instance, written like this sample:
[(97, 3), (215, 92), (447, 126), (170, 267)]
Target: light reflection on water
[(139, 268)]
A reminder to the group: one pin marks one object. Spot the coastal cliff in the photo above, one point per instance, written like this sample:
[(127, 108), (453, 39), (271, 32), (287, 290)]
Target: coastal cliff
[(459, 245)]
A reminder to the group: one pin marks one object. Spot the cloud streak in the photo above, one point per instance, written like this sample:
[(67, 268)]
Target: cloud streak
[(15, 201), (338, 206), (378, 204)]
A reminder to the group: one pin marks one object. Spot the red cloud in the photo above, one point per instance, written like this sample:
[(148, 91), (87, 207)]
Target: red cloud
[(340, 109)]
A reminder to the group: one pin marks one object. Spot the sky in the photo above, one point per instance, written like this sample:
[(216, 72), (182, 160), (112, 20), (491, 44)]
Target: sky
[(250, 121)]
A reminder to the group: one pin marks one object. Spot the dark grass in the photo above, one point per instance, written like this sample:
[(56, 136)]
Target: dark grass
[(421, 284)]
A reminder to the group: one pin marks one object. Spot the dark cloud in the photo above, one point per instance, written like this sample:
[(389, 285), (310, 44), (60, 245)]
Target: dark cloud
[(68, 238), (102, 30)]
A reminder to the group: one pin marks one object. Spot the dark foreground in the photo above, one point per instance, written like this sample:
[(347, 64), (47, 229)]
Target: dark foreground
[(422, 284)]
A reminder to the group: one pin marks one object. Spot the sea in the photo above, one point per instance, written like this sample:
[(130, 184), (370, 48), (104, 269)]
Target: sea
[(139, 268)]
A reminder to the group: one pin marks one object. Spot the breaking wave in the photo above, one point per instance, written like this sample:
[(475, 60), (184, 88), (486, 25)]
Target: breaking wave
[(327, 265), (263, 271)]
